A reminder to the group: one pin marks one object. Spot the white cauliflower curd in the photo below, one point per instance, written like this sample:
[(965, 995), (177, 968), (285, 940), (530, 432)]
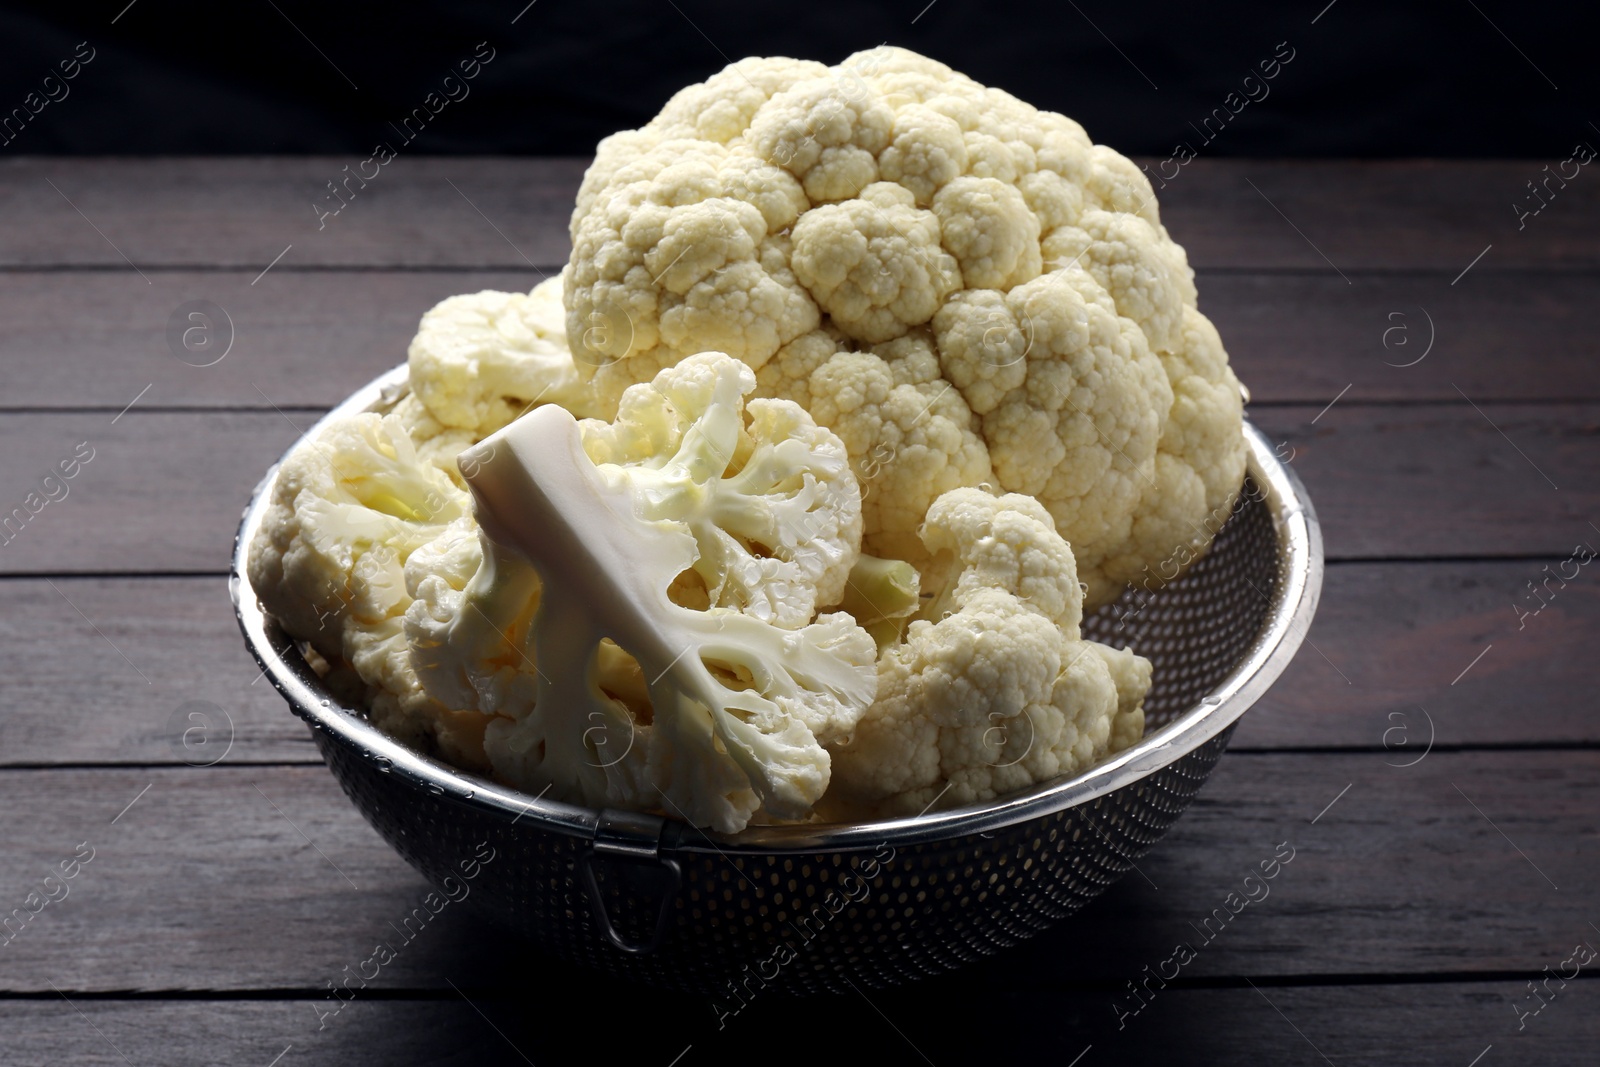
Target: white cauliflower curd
[(964, 288), (1001, 691), (863, 384)]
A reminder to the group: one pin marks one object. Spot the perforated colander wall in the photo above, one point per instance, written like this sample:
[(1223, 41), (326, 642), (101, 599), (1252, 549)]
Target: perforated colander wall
[(745, 924)]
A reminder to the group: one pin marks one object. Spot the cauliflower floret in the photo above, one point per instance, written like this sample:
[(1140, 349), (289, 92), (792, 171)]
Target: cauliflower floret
[(1199, 463), (480, 360), (710, 711), (435, 442), (1079, 430), (997, 690), (353, 508), (909, 433), (802, 218), (772, 505), (874, 264), (469, 624)]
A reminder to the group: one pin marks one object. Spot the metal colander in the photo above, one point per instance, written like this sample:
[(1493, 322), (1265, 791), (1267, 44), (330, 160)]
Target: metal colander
[(803, 909)]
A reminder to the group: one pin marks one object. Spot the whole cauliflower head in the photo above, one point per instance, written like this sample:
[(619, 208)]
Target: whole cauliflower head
[(964, 288), (998, 691)]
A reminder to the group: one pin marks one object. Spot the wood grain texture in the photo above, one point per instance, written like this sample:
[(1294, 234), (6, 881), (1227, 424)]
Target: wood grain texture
[(1495, 336), (308, 338), (1443, 1025), (1377, 215), (1387, 661), (220, 902), (165, 489), (1243, 214), (1450, 480), (1399, 632), (242, 212), (1390, 880), (305, 339), (71, 697)]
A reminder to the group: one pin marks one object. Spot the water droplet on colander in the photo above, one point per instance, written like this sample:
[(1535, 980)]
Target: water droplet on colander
[(384, 763), (436, 789), (1211, 701), (326, 703), (470, 794)]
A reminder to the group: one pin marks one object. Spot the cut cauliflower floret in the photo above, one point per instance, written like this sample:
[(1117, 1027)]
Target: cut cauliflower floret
[(435, 442), (707, 712), (480, 360), (348, 506), (801, 218), (469, 623), (351, 508), (998, 690), (772, 505)]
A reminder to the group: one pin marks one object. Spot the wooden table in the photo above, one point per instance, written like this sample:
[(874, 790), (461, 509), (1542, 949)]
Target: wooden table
[(1431, 365)]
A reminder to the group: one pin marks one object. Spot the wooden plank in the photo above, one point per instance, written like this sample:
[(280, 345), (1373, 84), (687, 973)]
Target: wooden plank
[(162, 491), (1388, 657), (1400, 875), (310, 337), (1399, 632), (1443, 1025), (306, 339), (1337, 216), (1451, 480), (204, 1033), (165, 489), (1318, 215), (243, 212), (71, 697), (1495, 336)]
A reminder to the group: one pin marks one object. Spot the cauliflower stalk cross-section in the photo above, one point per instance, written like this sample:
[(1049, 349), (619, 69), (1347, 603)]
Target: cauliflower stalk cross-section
[(963, 287), (743, 690), (998, 691)]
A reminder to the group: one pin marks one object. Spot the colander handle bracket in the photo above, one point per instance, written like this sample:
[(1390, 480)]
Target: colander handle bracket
[(635, 838)]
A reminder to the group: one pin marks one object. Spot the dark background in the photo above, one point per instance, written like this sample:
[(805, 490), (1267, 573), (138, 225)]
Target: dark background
[(259, 76)]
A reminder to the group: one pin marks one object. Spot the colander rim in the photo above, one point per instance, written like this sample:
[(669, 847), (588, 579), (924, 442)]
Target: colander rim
[(1292, 606)]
